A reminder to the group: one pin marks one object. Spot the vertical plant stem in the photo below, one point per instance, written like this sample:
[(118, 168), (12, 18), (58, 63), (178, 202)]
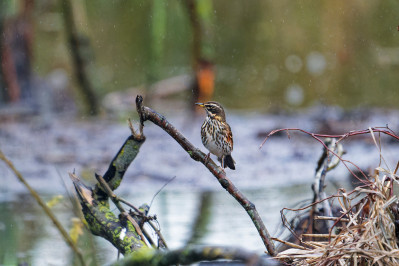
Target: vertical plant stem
[(81, 53), (158, 33), (45, 208)]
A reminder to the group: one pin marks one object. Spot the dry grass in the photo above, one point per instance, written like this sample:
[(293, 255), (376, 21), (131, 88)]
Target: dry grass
[(368, 233), (365, 233)]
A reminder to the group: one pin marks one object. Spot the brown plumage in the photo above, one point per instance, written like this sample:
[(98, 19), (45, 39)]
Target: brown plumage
[(216, 134)]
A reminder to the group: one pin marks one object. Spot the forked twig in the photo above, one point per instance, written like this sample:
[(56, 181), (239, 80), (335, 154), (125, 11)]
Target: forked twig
[(140, 231), (384, 130), (115, 200)]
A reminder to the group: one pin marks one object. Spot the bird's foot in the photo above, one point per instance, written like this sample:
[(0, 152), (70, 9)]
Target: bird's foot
[(207, 158), (222, 170)]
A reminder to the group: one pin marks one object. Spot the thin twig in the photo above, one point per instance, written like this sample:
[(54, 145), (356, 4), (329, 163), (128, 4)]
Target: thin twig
[(319, 235), (288, 225), (45, 208), (331, 218), (115, 200), (384, 130), (131, 206), (159, 190), (161, 239), (137, 227), (141, 231), (289, 244)]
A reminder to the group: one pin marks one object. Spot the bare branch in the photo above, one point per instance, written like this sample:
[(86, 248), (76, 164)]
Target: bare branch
[(146, 113), (383, 130)]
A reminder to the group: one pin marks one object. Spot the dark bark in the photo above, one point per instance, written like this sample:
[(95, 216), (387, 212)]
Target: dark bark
[(82, 58), (119, 164)]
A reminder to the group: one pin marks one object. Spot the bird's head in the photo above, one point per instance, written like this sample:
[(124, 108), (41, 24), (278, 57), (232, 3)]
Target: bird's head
[(214, 110)]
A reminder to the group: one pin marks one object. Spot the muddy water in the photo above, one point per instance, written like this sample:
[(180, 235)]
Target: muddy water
[(192, 208)]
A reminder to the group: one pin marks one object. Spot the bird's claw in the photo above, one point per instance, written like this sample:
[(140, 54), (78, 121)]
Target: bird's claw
[(207, 158)]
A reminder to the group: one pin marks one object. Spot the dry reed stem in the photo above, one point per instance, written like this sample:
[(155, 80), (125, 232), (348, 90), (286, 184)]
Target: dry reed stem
[(367, 236), (46, 209)]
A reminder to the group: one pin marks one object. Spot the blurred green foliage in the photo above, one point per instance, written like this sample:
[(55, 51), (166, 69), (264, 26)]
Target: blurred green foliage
[(267, 53)]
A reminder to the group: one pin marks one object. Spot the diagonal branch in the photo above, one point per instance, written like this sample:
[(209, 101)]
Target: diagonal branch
[(146, 113), (45, 208)]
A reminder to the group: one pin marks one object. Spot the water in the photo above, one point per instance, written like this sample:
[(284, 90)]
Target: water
[(31, 236), (193, 208)]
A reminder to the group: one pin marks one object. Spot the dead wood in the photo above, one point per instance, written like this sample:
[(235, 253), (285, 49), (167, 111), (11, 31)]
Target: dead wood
[(125, 232)]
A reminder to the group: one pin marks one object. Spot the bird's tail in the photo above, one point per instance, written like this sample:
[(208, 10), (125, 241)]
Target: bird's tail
[(229, 161)]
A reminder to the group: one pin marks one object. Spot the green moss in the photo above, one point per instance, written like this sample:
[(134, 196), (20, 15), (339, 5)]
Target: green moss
[(110, 216), (145, 256), (207, 250), (130, 227), (144, 208), (116, 182), (217, 251), (122, 151)]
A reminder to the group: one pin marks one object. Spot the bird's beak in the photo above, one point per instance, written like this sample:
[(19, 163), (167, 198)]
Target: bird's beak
[(200, 104)]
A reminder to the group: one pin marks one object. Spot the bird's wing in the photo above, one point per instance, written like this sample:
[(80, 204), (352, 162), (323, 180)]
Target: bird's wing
[(229, 136)]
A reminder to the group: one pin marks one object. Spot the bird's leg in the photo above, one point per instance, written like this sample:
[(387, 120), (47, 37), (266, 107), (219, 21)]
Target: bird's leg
[(222, 163), (207, 158)]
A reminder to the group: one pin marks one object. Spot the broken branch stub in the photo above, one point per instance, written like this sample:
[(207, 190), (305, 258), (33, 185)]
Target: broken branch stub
[(102, 221), (119, 164), (121, 231)]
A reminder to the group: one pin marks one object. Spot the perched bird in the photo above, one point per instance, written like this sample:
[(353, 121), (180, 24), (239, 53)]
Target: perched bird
[(216, 134)]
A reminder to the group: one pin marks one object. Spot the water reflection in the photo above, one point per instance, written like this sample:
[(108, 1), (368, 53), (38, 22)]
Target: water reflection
[(200, 225), (184, 215)]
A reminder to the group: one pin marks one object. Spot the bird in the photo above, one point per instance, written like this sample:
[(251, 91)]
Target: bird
[(216, 134)]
